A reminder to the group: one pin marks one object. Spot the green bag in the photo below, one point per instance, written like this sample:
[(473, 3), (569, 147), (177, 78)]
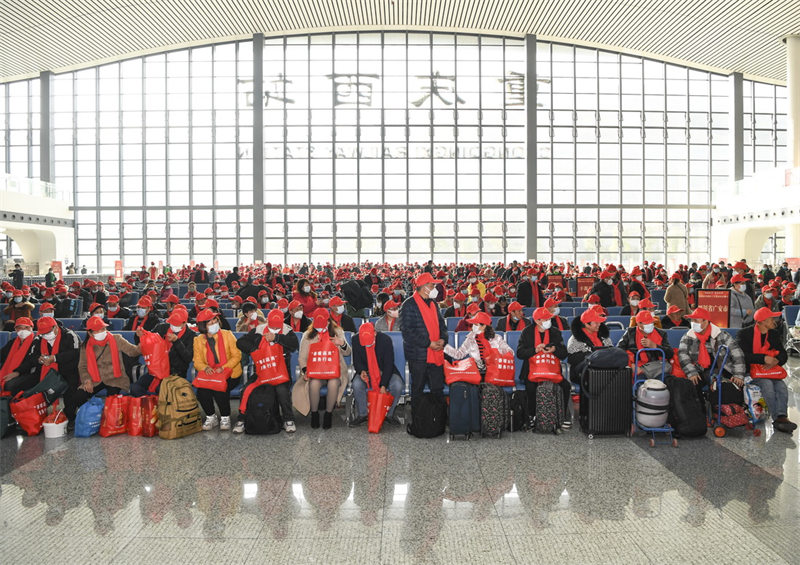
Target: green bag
[(53, 386)]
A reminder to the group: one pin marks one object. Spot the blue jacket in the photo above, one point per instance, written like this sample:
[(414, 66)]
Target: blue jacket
[(384, 351), (415, 335)]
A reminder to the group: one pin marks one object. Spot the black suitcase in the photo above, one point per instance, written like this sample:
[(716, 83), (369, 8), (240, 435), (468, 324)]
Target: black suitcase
[(428, 416), (606, 402), (465, 410)]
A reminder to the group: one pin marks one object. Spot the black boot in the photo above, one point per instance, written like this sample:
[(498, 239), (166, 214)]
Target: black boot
[(327, 421), (315, 420)]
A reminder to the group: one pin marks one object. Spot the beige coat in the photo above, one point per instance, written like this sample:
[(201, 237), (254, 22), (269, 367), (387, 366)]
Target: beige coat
[(678, 295), (105, 365), (300, 391)]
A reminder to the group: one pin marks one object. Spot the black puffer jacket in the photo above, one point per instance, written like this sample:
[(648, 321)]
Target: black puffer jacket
[(415, 335)]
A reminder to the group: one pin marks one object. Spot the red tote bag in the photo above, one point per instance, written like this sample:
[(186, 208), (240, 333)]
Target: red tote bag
[(544, 367), (465, 371), (115, 415), (323, 361), (270, 365), (29, 412), (378, 404), (156, 354), (133, 423), (500, 369), (213, 381)]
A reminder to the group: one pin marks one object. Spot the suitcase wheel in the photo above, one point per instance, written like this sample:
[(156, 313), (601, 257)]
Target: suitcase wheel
[(719, 431), (590, 436), (756, 432), (674, 442)]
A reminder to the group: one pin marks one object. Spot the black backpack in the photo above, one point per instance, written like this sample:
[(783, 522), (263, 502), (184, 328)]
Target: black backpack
[(357, 296), (428, 416), (607, 358), (518, 406), (261, 417)]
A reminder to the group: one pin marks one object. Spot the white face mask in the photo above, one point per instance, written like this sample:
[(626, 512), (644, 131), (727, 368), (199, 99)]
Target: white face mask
[(284, 310), (306, 289), (556, 290), (24, 334), (50, 337), (141, 312), (321, 330), (213, 329), (18, 299), (326, 301), (473, 280), (393, 313), (298, 314), (47, 314), (100, 336), (609, 282), (556, 311), (768, 295), (253, 315), (276, 330), (476, 328), (264, 300), (340, 309), (9, 294), (433, 294), (634, 302), (491, 305), (648, 328), (456, 305), (716, 269), (742, 288), (113, 308), (175, 329), (546, 324), (697, 327), (98, 315)]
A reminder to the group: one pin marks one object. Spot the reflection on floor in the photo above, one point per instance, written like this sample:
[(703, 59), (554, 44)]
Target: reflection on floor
[(343, 496)]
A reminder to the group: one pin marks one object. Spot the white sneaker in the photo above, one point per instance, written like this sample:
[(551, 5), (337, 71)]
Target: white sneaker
[(289, 427), (225, 423), (239, 427), (210, 422)]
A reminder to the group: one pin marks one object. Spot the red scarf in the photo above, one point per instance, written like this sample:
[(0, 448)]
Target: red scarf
[(136, 321), (336, 318), (372, 367), (221, 353), (703, 358), (460, 312), (617, 294), (655, 337), (15, 357), (768, 303), (47, 350), (431, 319), (560, 324), (113, 314), (178, 335), (91, 358), (593, 337), (762, 347), (390, 322), (295, 323), (535, 292), (539, 337)]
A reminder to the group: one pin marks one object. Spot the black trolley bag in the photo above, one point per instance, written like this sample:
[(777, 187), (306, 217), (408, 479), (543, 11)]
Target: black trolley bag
[(605, 401)]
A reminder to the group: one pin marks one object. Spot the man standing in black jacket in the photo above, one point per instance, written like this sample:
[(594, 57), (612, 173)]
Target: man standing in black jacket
[(17, 276), (424, 337)]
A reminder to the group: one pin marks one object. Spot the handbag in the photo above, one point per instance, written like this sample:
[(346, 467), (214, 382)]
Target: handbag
[(88, 417), (133, 424), (213, 381), (323, 361), (464, 371), (544, 367), (500, 369), (53, 386), (115, 414), (270, 366), (156, 354), (763, 372), (29, 412)]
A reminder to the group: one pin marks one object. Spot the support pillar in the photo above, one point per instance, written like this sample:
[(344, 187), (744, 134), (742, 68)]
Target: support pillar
[(793, 98), (530, 146), (736, 125), (258, 147)]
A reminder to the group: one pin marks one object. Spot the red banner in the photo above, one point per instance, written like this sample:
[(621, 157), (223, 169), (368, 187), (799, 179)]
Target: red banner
[(58, 269), (585, 284), (556, 279), (717, 301), (119, 275)]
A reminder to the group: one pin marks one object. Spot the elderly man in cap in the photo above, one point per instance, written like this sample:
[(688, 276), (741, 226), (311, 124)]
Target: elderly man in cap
[(674, 319), (424, 338), (180, 344), (645, 335), (336, 306), (514, 321), (373, 362), (296, 318), (765, 355), (145, 317), (100, 365), (12, 356), (698, 347)]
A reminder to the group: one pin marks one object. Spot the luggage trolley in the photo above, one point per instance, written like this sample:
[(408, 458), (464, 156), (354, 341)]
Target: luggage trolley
[(715, 418), (637, 384)]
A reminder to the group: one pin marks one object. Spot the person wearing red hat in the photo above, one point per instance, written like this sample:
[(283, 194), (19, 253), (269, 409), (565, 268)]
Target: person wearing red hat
[(215, 354), (715, 275), (473, 284), (463, 324), (372, 278), (271, 339), (296, 318), (337, 307), (677, 294), (145, 317), (115, 310), (100, 365), (698, 347), (12, 357), (191, 293), (529, 291), (769, 299), (424, 338), (765, 355), (388, 322), (542, 337), (632, 308), (787, 299), (458, 308), (514, 321), (168, 303), (251, 318), (373, 363), (741, 306), (645, 335), (637, 283), (17, 308), (481, 343), (674, 319), (559, 322), (304, 294), (212, 304), (489, 305), (589, 332), (95, 311), (319, 340)]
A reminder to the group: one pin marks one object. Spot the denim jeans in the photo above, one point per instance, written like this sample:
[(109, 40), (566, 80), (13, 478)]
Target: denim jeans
[(776, 394), (360, 393)]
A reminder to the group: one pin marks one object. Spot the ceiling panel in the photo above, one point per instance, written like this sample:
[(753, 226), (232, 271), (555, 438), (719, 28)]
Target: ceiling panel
[(720, 35)]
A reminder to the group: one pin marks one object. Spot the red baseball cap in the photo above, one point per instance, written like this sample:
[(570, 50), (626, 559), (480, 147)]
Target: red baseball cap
[(390, 305), (425, 278), (178, 316), (95, 324), (645, 317), (275, 319), (206, 315), (44, 325), (764, 313), (366, 334), (551, 303), (592, 315), (23, 321), (514, 306), (542, 314), (700, 314), (673, 310), (481, 318)]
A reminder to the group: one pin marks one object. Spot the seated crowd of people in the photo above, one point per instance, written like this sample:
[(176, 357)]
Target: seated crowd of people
[(273, 305)]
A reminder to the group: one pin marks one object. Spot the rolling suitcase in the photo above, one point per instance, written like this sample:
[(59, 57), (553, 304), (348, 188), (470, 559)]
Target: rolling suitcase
[(550, 408), (605, 402), (465, 410), (494, 410)]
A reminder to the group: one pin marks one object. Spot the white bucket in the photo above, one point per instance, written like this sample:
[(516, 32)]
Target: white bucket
[(55, 430)]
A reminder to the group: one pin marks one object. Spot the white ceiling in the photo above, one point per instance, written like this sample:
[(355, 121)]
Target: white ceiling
[(720, 35)]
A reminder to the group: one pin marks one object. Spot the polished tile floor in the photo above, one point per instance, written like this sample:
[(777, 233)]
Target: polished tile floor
[(343, 496)]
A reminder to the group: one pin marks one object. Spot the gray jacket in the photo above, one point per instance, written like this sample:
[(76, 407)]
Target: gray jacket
[(739, 305), (689, 350)]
